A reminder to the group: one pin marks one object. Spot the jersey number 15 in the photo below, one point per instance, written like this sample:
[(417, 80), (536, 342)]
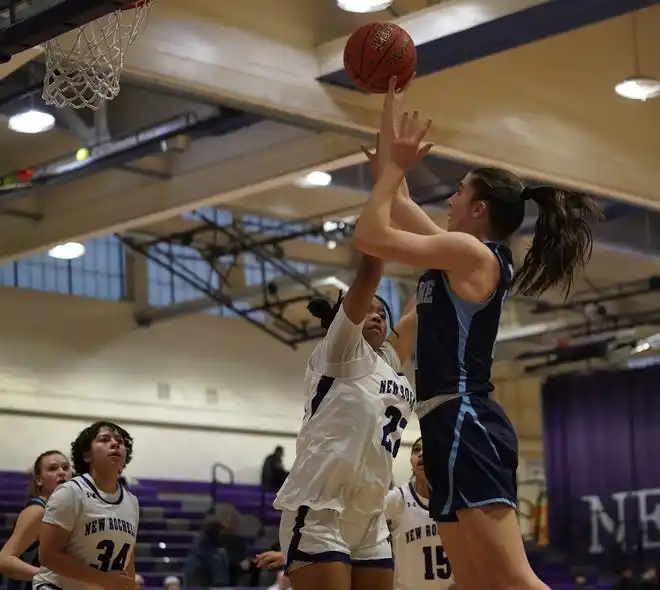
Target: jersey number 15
[(437, 568), (393, 429)]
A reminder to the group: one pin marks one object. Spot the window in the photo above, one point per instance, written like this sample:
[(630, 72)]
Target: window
[(219, 216), (389, 292), (99, 273), (177, 274)]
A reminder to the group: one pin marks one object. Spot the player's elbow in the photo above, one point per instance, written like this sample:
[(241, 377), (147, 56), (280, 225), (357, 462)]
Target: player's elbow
[(371, 242), (49, 556)]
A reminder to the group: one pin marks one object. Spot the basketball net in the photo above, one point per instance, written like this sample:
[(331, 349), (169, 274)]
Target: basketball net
[(83, 67)]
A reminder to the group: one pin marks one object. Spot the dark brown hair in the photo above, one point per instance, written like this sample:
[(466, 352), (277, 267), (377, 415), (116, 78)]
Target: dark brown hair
[(34, 488), (324, 310), (84, 440), (563, 241)]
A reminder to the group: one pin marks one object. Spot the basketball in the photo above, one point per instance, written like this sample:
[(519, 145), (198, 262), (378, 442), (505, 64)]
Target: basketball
[(375, 53)]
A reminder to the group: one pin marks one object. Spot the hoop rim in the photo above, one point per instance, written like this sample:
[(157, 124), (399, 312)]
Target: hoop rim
[(132, 5)]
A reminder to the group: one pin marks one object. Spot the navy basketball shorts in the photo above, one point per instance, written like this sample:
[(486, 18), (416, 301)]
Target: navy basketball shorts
[(470, 456)]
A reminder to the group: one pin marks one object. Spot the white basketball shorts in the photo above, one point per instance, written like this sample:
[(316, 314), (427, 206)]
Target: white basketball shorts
[(316, 536)]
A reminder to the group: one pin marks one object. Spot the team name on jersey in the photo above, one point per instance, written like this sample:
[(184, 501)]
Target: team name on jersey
[(101, 525), (421, 532), (425, 291), (399, 390)]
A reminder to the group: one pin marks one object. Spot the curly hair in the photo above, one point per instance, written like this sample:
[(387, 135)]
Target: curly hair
[(84, 440)]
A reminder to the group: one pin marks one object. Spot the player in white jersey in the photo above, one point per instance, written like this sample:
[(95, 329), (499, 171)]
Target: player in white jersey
[(333, 529), (420, 559), (90, 523)]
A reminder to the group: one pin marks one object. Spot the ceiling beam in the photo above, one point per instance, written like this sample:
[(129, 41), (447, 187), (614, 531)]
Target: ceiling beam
[(217, 184)]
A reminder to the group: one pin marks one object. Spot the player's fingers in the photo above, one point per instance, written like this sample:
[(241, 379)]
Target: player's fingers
[(425, 150), (423, 129), (391, 88), (408, 84), (404, 125)]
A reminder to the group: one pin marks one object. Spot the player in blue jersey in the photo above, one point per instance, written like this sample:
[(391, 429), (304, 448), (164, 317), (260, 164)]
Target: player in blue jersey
[(471, 447), (19, 558)]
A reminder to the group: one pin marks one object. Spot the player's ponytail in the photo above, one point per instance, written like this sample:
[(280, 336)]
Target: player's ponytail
[(321, 308), (562, 243)]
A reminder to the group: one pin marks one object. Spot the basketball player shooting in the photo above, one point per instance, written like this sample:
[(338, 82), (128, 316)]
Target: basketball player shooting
[(471, 469)]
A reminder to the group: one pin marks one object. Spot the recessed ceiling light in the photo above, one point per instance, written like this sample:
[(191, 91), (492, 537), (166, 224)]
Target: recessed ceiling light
[(31, 121), (363, 6), (316, 178), (638, 88), (68, 251)]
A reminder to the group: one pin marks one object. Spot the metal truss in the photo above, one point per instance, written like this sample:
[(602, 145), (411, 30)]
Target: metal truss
[(220, 246), (617, 292)]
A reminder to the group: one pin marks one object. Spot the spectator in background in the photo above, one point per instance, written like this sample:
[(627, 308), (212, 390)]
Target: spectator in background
[(650, 579), (206, 563), (139, 582), (235, 547), (172, 583), (627, 580), (273, 473)]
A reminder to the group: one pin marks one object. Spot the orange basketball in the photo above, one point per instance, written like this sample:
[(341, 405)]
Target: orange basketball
[(378, 51)]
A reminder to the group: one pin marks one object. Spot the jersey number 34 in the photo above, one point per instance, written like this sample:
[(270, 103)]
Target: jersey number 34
[(107, 560), (393, 429)]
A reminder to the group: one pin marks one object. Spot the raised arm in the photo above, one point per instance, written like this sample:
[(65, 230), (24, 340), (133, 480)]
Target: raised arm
[(374, 234), (404, 335), (407, 214), (343, 341)]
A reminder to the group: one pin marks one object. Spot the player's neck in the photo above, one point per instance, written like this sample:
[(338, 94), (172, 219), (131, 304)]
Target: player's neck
[(106, 482), (422, 488)]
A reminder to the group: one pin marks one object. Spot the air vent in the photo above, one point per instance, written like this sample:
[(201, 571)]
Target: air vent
[(164, 391), (212, 396)]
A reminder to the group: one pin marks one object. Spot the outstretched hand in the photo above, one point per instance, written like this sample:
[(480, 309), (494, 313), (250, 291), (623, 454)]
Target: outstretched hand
[(398, 133), (407, 149)]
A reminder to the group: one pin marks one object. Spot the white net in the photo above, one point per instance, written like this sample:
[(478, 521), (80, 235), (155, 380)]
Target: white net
[(83, 67)]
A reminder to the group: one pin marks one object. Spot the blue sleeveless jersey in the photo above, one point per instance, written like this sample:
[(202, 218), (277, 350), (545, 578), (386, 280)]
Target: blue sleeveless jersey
[(455, 338), (30, 555)]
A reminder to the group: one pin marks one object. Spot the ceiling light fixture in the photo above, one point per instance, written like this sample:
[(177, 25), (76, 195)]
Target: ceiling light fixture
[(316, 178), (363, 6), (638, 88), (31, 121), (68, 251)]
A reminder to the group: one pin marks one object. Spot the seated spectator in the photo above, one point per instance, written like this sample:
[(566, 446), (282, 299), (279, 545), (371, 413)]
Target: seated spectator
[(172, 583), (627, 580), (235, 547), (273, 473), (207, 563), (650, 579)]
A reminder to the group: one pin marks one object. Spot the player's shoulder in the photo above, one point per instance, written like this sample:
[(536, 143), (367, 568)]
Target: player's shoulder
[(131, 497), (74, 486)]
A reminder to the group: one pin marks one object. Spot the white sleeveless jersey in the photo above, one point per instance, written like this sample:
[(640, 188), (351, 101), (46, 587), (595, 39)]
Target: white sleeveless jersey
[(419, 558), (351, 429), (103, 528)]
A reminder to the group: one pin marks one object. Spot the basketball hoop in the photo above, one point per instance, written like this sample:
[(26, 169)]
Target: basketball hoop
[(83, 67)]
